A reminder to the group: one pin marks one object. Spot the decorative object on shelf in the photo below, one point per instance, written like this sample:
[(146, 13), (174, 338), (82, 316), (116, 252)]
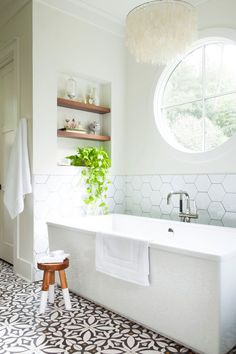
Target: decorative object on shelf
[(79, 125), (85, 99), (159, 30), (71, 125), (95, 174), (75, 130), (71, 88), (91, 96), (94, 128), (96, 96), (97, 128), (67, 123)]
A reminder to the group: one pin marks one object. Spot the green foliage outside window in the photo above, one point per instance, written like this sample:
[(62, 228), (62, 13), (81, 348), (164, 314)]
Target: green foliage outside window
[(199, 105)]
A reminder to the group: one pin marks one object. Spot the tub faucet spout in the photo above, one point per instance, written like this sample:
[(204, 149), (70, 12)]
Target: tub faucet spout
[(181, 194)]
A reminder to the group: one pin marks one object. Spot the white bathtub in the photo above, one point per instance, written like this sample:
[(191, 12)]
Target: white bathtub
[(192, 296)]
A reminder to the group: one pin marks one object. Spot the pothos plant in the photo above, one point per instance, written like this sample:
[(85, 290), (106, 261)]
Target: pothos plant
[(95, 174)]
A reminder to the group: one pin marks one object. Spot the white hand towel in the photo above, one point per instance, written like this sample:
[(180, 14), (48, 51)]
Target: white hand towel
[(49, 258), (123, 257), (18, 181)]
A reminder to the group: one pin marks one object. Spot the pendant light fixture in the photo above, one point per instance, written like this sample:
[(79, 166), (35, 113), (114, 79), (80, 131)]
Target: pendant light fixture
[(159, 30)]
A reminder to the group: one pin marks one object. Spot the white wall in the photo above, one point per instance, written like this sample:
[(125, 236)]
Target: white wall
[(20, 27), (63, 43), (147, 152), (66, 44)]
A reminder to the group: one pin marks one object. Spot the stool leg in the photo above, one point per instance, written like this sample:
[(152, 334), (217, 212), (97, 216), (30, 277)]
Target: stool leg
[(44, 292), (65, 291), (51, 287)]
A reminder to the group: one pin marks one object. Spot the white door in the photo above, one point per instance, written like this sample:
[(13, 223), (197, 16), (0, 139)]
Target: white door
[(8, 123)]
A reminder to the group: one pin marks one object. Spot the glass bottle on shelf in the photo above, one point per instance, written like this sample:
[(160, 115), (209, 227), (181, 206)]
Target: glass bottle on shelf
[(96, 96), (90, 96), (71, 88)]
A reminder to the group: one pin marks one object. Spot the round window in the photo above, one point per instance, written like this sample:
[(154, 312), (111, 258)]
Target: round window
[(195, 99)]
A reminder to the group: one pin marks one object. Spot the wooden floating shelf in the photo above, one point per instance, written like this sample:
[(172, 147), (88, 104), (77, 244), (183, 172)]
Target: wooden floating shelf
[(65, 134), (63, 102)]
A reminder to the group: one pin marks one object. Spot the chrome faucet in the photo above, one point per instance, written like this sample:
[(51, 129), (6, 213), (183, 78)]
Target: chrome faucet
[(186, 215)]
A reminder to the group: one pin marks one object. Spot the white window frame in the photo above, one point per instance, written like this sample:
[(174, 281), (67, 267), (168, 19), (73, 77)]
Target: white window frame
[(163, 81)]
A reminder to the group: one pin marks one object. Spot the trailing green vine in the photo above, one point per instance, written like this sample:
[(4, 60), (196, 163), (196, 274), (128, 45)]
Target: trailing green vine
[(95, 174)]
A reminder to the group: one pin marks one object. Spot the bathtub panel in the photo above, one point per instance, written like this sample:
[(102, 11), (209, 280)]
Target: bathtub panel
[(181, 303), (189, 296), (228, 304)]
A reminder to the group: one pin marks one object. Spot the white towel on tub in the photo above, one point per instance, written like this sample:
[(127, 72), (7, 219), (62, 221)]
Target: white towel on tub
[(122, 257)]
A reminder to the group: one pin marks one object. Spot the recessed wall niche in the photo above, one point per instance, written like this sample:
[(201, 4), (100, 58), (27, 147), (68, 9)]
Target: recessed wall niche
[(83, 114)]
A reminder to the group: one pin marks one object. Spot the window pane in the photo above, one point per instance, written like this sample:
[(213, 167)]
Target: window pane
[(185, 83), (220, 68), (185, 126), (220, 120), (199, 103)]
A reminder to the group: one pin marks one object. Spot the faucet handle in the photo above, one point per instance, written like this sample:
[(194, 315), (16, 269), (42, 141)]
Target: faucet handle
[(193, 214), (188, 215), (194, 207)]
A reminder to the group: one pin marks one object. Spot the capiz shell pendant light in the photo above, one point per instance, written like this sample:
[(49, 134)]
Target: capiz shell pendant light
[(159, 30)]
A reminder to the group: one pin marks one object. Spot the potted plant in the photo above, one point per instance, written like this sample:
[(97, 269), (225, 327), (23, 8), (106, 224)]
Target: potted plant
[(95, 175)]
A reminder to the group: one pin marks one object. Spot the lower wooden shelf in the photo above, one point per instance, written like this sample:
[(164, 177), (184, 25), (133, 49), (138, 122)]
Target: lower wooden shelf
[(75, 135)]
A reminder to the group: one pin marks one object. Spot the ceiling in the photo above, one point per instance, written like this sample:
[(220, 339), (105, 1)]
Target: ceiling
[(107, 14), (117, 10)]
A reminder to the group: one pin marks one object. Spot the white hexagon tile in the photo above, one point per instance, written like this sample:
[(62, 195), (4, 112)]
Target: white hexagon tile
[(202, 183), (229, 202), (216, 210), (156, 183), (178, 183), (146, 205), (146, 190), (202, 200), (156, 198), (229, 183), (216, 192), (155, 212)]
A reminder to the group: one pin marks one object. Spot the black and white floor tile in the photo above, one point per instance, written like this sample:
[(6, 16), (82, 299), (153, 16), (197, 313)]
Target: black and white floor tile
[(86, 329)]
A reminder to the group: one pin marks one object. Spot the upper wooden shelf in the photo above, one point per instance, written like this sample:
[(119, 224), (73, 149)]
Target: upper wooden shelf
[(63, 102)]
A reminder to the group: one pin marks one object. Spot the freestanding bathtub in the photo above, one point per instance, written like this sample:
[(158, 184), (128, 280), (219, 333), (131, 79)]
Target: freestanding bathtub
[(192, 292)]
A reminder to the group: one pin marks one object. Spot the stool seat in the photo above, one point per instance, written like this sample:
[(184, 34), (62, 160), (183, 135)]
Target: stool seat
[(49, 270), (52, 267)]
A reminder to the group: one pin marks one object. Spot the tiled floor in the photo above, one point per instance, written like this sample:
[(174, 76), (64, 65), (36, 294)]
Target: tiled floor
[(86, 329)]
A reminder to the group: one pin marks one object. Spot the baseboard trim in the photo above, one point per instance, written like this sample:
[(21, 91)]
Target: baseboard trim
[(23, 269)]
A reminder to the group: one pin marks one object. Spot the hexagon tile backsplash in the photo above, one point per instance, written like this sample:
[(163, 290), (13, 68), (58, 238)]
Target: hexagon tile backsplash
[(215, 197)]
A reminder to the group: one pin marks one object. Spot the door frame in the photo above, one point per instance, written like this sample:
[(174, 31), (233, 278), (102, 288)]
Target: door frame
[(10, 50)]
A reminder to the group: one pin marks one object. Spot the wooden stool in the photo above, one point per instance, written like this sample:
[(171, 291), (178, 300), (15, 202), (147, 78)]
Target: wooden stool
[(49, 281)]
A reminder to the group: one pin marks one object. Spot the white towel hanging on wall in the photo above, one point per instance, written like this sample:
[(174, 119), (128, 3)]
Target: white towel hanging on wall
[(18, 179)]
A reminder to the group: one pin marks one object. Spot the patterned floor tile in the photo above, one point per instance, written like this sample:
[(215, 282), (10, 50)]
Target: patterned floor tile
[(86, 329)]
